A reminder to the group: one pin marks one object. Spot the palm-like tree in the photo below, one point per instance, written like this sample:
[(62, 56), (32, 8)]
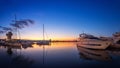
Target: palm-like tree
[(1, 31), (5, 29), (16, 26), (21, 24)]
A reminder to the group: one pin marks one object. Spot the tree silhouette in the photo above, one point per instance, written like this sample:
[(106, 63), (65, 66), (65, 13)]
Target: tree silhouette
[(22, 23), (5, 29), (1, 32), (16, 25)]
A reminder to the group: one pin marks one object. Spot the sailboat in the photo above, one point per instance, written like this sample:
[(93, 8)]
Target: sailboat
[(43, 42)]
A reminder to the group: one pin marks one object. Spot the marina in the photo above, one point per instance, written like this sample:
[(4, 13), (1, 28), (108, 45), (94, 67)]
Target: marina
[(59, 33)]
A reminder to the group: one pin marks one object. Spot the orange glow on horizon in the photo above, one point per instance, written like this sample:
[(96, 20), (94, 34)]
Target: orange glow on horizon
[(34, 38), (30, 38)]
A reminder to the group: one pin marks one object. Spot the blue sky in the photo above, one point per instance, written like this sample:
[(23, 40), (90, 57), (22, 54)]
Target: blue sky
[(63, 19)]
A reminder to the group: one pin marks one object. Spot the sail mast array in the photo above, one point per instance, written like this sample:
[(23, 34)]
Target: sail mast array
[(15, 27), (17, 31)]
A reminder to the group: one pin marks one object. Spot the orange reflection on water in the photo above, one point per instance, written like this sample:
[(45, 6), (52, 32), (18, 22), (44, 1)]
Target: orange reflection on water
[(61, 45), (54, 46)]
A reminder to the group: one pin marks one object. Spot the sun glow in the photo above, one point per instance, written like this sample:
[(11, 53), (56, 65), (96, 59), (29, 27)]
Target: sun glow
[(33, 38)]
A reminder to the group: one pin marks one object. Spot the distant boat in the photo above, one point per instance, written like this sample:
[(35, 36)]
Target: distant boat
[(2, 42), (26, 42), (44, 42), (89, 41), (12, 43)]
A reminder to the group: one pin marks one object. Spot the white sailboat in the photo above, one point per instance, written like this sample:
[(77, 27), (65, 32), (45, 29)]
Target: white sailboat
[(44, 42)]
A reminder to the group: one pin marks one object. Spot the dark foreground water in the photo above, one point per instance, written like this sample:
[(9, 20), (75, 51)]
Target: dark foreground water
[(57, 55)]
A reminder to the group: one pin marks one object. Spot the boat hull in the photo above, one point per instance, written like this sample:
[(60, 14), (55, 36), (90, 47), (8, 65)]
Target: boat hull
[(94, 44), (43, 42), (115, 46)]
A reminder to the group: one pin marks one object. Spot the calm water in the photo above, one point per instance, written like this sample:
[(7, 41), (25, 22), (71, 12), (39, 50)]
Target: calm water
[(57, 55)]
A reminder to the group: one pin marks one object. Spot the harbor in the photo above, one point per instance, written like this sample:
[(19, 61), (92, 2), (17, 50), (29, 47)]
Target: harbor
[(84, 40), (59, 33), (87, 48)]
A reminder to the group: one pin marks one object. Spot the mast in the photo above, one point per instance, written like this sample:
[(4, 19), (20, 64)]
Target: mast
[(16, 27), (43, 46), (17, 31), (43, 33)]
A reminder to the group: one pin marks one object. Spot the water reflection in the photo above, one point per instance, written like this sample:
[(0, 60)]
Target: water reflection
[(16, 58), (89, 54), (115, 52), (9, 51), (56, 55), (27, 46)]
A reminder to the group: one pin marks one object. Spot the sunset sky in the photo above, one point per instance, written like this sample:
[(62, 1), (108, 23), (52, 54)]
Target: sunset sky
[(63, 19)]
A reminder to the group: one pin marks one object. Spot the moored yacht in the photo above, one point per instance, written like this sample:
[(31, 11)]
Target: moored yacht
[(92, 42)]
